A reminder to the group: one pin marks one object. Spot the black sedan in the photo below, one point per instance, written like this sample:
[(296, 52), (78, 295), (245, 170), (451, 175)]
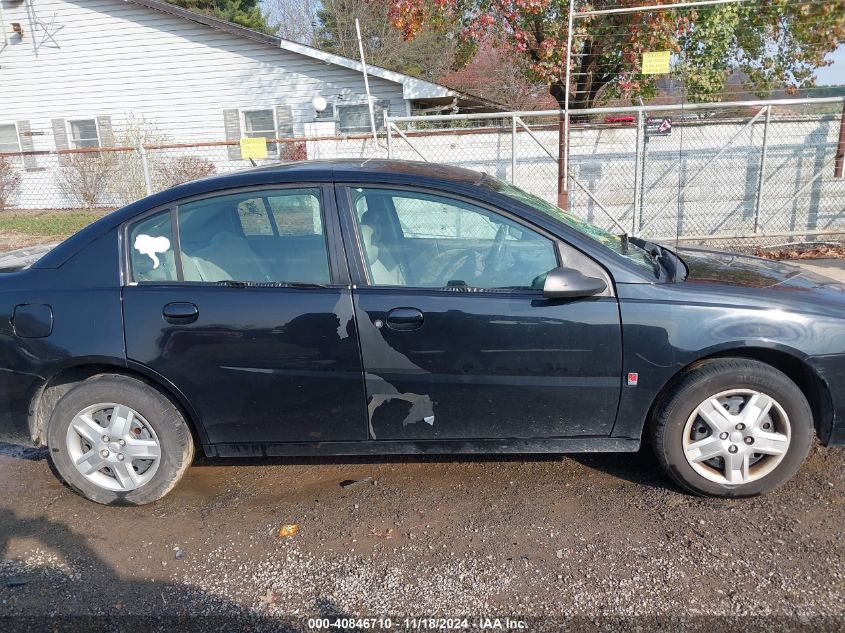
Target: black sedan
[(348, 307)]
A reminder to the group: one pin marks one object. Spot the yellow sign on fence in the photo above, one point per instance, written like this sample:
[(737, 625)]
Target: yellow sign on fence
[(656, 63), (254, 147)]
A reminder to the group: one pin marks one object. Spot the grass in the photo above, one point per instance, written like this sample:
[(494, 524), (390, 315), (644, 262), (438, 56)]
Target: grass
[(25, 228), (47, 223)]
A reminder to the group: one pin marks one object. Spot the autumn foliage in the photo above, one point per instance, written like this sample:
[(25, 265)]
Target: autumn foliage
[(775, 43)]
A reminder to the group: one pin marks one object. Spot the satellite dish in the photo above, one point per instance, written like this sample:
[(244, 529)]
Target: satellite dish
[(319, 103)]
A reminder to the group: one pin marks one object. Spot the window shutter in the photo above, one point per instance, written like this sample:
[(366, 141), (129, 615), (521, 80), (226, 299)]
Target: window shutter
[(27, 144), (60, 137), (60, 134), (284, 121), (232, 125), (105, 130)]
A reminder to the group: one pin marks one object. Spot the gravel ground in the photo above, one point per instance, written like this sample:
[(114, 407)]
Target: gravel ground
[(597, 535)]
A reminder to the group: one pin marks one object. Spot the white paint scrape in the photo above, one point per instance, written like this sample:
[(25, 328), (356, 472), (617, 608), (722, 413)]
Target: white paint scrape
[(152, 246)]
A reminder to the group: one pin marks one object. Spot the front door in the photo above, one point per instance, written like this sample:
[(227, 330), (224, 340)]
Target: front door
[(457, 339), (234, 299)]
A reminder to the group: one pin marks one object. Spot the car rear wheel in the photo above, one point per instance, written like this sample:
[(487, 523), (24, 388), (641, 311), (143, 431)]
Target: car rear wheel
[(119, 441), (733, 428)]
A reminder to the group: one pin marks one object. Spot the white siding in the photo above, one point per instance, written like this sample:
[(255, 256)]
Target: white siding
[(116, 57)]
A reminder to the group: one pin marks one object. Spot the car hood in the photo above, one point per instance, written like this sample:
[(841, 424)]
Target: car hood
[(23, 258), (734, 269)]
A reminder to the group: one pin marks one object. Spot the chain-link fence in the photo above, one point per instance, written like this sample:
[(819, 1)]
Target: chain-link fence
[(737, 175), (109, 177), (741, 175)]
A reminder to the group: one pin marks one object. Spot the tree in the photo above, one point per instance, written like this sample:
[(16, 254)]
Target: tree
[(10, 182), (294, 20), (774, 42), (243, 12), (430, 53), (495, 74)]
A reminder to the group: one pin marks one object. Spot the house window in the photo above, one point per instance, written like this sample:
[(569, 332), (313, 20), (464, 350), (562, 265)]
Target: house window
[(354, 119), (259, 123), (83, 134), (9, 142)]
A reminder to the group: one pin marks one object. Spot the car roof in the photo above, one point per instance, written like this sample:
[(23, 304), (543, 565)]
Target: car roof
[(340, 169)]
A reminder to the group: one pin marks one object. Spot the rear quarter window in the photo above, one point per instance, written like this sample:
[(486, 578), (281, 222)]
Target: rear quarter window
[(152, 249)]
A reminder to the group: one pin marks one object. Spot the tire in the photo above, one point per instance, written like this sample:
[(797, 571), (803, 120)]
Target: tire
[(156, 441), (688, 430)]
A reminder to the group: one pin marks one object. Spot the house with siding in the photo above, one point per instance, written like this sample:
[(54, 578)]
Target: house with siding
[(74, 73)]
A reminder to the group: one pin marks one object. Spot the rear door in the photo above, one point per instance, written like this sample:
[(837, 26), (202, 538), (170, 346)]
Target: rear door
[(238, 300), (457, 339)]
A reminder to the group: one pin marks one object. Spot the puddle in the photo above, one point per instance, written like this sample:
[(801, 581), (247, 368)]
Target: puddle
[(22, 452)]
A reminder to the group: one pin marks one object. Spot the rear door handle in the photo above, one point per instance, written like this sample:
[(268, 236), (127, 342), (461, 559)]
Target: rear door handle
[(404, 319), (180, 313)]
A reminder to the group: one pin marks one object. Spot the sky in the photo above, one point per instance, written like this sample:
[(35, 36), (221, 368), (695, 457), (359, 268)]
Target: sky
[(833, 75)]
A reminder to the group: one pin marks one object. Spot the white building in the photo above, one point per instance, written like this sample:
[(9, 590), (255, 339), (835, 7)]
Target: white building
[(73, 71)]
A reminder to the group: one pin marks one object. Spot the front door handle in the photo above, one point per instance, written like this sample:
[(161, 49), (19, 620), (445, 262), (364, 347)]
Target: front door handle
[(404, 319), (180, 313)]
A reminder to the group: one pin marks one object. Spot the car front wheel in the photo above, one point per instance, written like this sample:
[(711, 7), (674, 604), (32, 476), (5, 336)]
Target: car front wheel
[(117, 440), (733, 428)]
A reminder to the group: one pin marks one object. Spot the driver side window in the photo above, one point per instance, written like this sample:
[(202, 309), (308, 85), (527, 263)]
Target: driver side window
[(427, 241)]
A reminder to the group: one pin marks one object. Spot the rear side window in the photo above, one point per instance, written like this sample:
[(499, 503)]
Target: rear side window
[(254, 217), (288, 214), (274, 236), (297, 214)]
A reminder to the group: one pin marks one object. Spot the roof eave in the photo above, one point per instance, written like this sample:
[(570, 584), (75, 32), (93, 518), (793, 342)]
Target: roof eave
[(412, 88)]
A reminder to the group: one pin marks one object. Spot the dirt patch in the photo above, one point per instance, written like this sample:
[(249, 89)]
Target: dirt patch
[(13, 241), (29, 227), (538, 537)]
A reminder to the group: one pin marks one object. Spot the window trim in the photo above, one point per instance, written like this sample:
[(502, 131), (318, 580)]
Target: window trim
[(17, 161), (331, 234), (72, 141), (361, 275)]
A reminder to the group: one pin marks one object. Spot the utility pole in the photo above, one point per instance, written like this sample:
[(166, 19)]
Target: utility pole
[(563, 128), (366, 84)]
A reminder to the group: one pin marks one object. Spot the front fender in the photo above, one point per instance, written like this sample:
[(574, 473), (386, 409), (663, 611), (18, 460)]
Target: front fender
[(661, 339)]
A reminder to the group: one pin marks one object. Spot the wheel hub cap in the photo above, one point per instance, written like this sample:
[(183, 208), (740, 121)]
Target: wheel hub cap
[(113, 446), (736, 436)]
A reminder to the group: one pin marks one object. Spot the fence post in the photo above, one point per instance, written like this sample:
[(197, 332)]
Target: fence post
[(513, 149), (761, 182), (638, 167), (145, 165), (839, 165), (389, 134)]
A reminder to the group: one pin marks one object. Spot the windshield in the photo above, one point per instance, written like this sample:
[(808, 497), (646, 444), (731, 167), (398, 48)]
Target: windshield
[(616, 243)]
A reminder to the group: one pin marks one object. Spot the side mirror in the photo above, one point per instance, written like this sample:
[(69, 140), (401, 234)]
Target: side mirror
[(568, 283)]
